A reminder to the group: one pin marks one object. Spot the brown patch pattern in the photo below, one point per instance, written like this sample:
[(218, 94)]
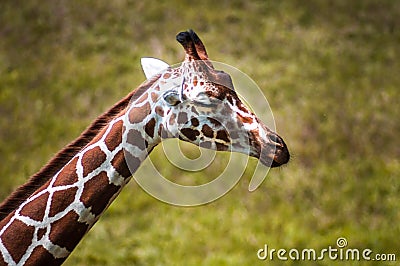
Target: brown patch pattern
[(191, 134), (223, 135), (207, 131), (195, 122), (142, 98), (154, 97), (132, 161), (40, 256), (97, 192), (159, 111), (135, 138), (92, 159), (36, 208), (138, 114), (114, 137), (61, 200), (119, 163), (68, 174), (17, 238), (221, 147), (172, 119), (67, 236), (213, 121), (149, 127), (182, 118)]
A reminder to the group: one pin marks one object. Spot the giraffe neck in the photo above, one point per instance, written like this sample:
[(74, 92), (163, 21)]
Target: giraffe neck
[(47, 226)]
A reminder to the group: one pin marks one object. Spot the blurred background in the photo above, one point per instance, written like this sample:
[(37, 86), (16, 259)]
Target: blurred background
[(330, 70)]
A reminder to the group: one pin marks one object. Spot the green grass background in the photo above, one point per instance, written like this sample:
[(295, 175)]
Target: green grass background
[(330, 70)]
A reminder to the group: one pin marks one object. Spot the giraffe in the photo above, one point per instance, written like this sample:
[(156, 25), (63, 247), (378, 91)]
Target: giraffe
[(44, 219)]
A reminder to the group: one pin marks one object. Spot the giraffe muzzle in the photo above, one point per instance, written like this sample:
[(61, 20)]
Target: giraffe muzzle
[(274, 152), (282, 154)]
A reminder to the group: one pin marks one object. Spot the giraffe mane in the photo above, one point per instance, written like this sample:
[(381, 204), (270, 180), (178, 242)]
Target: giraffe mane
[(56, 163)]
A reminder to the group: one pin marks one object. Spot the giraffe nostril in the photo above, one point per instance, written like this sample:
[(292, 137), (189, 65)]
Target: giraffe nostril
[(276, 139)]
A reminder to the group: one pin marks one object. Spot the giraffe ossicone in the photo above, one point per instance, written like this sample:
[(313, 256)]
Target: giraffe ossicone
[(43, 220)]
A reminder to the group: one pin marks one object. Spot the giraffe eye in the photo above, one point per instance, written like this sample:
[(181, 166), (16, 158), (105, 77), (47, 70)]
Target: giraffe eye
[(172, 98)]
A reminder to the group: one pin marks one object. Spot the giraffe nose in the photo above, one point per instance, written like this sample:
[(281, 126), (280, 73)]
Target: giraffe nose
[(282, 154)]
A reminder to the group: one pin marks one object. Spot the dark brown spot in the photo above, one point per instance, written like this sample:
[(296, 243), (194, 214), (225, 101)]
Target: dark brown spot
[(135, 138), (114, 137), (149, 127), (221, 147), (195, 122), (68, 175), (67, 231), (138, 114), (207, 131), (36, 208), (195, 81), (190, 133), (17, 238), (97, 192), (40, 256), (223, 135), (182, 118), (92, 159), (214, 121), (61, 200), (167, 75), (119, 163)]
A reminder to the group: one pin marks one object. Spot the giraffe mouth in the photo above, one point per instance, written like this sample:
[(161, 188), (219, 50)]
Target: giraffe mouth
[(274, 153)]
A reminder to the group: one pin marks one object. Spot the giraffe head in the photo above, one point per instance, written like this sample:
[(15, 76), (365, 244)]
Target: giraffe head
[(198, 104)]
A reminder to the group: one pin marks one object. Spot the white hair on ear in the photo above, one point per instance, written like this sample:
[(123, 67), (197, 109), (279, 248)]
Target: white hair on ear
[(152, 66)]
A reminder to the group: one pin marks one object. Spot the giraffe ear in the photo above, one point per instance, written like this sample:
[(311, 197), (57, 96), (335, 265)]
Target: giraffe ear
[(152, 66)]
